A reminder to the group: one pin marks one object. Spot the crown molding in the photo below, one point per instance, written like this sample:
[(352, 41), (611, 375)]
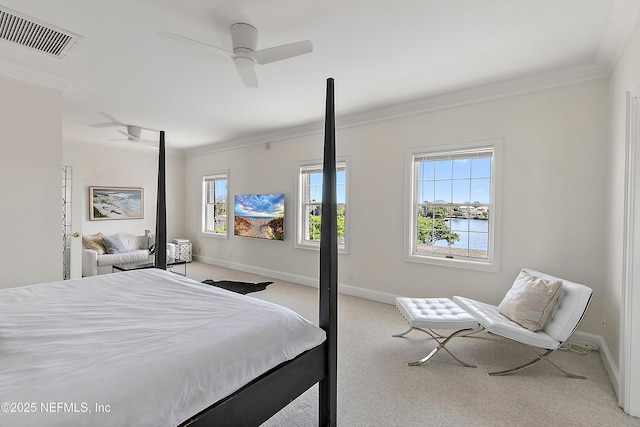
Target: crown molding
[(622, 19), (28, 75), (472, 95)]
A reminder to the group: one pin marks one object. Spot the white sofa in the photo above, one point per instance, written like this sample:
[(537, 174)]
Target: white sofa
[(96, 260)]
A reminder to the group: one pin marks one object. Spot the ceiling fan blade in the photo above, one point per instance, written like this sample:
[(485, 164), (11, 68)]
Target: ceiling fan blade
[(112, 122), (246, 69), (129, 136), (146, 142), (194, 42), (278, 53)]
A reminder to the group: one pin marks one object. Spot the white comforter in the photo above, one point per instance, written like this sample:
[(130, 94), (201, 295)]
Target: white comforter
[(140, 348)]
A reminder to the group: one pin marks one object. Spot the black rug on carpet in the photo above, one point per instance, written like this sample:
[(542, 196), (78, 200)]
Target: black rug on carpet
[(239, 287)]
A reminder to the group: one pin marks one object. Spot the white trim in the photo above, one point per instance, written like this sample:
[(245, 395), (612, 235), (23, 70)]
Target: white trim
[(493, 264), (22, 74), (629, 378), (622, 19)]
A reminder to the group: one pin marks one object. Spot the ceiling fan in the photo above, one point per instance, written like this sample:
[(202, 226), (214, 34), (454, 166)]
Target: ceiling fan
[(133, 135), (244, 39)]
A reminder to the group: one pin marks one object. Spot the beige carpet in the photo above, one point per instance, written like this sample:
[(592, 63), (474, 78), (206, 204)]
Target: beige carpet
[(377, 388)]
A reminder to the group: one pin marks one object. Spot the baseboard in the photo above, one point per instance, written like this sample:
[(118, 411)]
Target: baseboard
[(294, 278), (610, 365), (594, 341), (300, 280)]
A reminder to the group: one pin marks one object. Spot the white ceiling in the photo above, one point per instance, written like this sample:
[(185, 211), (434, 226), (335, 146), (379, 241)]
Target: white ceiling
[(387, 58)]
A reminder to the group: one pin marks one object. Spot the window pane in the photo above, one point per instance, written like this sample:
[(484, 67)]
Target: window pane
[(427, 170), (461, 190), (426, 192), (481, 168), (443, 169), (341, 186), (461, 168), (443, 192), (481, 190), (315, 187)]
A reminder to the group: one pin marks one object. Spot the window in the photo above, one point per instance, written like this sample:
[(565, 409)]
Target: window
[(310, 204), (452, 208), (214, 204)]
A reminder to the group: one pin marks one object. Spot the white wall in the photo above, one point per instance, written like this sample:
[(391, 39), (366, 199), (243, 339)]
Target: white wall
[(121, 167), (555, 179), (30, 184)]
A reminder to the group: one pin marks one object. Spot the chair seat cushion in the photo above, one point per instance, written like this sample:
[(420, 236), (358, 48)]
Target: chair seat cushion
[(496, 323), (434, 313)]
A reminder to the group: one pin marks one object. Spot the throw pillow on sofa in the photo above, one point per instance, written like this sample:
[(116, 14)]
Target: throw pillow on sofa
[(114, 244), (94, 242)]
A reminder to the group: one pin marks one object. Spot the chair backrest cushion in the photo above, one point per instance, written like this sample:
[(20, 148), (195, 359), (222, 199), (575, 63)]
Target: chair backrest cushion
[(570, 308)]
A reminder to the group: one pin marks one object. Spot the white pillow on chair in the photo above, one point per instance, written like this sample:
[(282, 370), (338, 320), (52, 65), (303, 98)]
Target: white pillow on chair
[(531, 300)]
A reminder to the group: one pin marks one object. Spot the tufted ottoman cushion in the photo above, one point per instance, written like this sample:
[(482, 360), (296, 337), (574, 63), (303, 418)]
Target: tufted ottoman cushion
[(434, 313)]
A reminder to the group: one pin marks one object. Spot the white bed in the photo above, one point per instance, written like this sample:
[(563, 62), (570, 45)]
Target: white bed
[(144, 348)]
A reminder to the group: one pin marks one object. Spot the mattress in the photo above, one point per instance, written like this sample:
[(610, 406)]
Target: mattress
[(144, 348)]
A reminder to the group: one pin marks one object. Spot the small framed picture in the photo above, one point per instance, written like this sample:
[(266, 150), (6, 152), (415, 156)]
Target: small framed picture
[(116, 203)]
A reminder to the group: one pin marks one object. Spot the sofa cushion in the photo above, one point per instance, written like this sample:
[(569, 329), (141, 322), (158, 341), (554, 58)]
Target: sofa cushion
[(123, 258), (133, 242), (531, 300), (114, 244), (94, 242)]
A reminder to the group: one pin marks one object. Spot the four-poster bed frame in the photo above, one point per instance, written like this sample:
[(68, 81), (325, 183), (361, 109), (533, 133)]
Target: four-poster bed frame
[(157, 348), (266, 395)]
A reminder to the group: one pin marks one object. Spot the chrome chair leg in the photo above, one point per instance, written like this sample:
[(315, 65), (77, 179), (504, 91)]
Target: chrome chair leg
[(404, 333), (442, 342), (543, 356)]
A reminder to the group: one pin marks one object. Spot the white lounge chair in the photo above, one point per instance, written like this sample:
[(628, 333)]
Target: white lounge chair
[(563, 320)]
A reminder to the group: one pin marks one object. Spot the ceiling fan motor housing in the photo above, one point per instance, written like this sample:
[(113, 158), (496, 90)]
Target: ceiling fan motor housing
[(134, 131), (244, 38)]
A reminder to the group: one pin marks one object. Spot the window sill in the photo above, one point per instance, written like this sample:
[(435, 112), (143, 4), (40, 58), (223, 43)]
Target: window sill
[(493, 267), (215, 235), (316, 247)]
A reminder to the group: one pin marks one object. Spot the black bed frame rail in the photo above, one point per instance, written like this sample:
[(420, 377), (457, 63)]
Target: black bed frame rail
[(262, 398)]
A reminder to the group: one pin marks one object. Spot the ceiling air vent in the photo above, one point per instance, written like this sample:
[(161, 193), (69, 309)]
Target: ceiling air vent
[(36, 35)]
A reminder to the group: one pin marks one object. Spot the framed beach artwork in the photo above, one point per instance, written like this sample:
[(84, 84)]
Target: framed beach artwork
[(259, 215), (116, 203)]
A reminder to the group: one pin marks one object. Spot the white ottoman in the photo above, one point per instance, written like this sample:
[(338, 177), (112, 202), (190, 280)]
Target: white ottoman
[(427, 314)]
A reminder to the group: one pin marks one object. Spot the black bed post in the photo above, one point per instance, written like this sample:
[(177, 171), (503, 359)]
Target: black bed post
[(161, 211), (329, 267)]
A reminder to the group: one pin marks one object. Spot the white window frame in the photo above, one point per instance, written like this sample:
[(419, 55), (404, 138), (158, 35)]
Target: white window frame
[(213, 176), (411, 207), (301, 241)]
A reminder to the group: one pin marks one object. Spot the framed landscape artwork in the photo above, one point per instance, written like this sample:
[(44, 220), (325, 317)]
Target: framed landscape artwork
[(116, 203), (259, 215)]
